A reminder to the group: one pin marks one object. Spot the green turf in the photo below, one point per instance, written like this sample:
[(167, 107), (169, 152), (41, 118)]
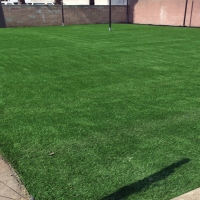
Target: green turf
[(120, 110)]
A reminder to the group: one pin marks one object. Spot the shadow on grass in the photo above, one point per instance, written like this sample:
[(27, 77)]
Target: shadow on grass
[(128, 190)]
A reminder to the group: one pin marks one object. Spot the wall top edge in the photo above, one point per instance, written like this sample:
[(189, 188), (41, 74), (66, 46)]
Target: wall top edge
[(18, 5)]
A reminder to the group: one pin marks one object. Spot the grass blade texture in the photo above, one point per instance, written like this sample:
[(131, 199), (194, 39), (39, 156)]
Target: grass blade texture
[(88, 114)]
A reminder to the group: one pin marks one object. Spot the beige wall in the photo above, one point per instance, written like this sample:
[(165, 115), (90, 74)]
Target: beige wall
[(113, 2), (85, 2), (76, 2), (66, 2), (97, 2)]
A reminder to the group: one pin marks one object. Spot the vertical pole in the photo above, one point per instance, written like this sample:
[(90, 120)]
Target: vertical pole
[(191, 13), (2, 18), (127, 12), (186, 3), (63, 23), (109, 15)]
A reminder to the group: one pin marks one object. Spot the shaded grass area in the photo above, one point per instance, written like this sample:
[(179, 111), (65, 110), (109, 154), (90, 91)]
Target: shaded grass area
[(120, 110)]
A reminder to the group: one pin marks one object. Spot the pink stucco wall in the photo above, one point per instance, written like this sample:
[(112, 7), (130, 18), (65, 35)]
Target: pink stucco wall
[(193, 13), (165, 12)]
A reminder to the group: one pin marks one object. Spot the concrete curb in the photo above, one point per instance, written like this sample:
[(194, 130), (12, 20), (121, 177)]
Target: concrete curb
[(10, 184), (193, 195)]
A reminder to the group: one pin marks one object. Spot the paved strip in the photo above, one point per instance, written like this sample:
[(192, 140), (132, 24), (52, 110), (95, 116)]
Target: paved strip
[(193, 195), (10, 185)]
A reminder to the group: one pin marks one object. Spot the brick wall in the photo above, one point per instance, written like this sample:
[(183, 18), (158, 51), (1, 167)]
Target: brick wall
[(37, 15), (165, 12), (158, 12)]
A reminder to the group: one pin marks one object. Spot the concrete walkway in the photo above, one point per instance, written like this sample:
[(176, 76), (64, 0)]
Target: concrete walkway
[(193, 195), (10, 185)]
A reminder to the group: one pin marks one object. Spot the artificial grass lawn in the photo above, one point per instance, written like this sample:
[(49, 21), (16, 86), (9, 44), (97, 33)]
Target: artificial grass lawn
[(120, 110)]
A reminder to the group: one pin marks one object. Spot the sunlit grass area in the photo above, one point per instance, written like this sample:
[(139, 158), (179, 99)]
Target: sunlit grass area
[(87, 114)]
